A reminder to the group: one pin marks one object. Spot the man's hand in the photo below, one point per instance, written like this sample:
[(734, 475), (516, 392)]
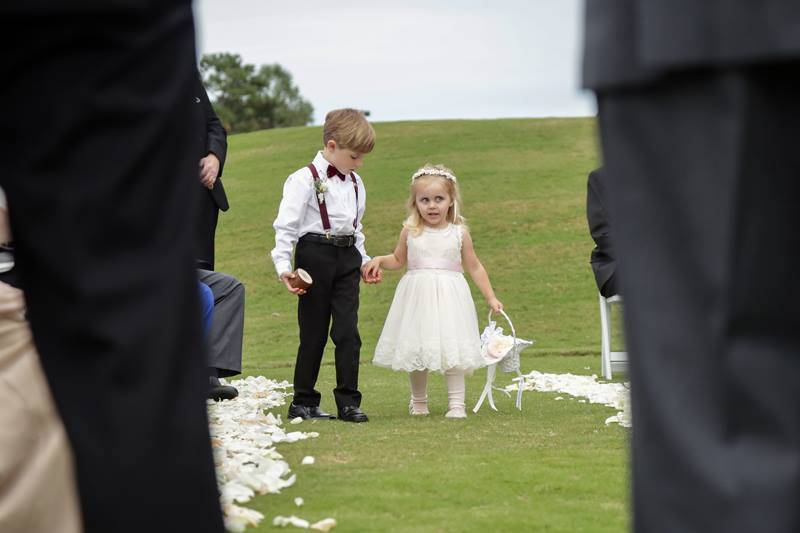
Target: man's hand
[(209, 170)]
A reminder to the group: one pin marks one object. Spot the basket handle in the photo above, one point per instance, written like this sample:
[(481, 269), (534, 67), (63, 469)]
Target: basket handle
[(513, 332)]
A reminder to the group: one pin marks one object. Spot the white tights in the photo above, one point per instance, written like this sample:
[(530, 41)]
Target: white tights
[(456, 391)]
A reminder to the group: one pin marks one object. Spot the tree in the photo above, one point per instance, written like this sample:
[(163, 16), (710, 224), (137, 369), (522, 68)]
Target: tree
[(247, 98)]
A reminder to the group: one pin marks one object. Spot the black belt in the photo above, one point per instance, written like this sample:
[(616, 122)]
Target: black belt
[(340, 241)]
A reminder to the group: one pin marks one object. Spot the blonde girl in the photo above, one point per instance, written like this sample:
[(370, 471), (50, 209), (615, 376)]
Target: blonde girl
[(432, 325)]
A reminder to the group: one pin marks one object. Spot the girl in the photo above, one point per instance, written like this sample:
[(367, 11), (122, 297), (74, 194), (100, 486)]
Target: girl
[(432, 324)]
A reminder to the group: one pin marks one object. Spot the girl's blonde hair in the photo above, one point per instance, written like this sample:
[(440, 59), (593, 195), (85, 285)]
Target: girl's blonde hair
[(425, 175)]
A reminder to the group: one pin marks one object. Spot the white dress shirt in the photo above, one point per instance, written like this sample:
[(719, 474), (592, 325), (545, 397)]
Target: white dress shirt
[(298, 213)]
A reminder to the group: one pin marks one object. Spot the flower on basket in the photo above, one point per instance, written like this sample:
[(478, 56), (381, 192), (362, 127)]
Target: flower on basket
[(499, 346), (321, 186)]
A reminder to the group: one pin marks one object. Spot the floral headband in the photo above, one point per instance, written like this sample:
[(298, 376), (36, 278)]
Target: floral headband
[(429, 171)]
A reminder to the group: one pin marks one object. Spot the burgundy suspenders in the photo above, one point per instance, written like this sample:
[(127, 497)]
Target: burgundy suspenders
[(323, 208)]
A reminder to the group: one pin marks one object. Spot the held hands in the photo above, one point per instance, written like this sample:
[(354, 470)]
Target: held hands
[(495, 304), (209, 170), (371, 271), (286, 278)]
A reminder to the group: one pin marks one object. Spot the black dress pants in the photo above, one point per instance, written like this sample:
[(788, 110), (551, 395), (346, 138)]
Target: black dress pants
[(205, 229), (331, 302), (704, 180), (97, 143)]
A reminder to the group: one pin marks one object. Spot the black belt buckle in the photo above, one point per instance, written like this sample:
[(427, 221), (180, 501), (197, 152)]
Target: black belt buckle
[(342, 241)]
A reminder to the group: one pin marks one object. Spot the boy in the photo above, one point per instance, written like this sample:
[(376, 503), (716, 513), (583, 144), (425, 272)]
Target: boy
[(320, 217)]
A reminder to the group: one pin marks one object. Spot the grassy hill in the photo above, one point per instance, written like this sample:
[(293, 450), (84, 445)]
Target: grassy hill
[(523, 184), (552, 467)]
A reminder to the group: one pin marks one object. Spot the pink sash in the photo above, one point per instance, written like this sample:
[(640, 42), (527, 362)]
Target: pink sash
[(440, 264)]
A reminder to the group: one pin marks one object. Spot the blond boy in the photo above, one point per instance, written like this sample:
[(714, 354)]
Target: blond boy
[(320, 218)]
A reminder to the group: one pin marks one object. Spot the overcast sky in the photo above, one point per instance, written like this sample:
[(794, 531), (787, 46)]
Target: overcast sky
[(413, 59)]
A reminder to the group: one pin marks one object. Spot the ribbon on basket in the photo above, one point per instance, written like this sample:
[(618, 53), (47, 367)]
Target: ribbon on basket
[(501, 351)]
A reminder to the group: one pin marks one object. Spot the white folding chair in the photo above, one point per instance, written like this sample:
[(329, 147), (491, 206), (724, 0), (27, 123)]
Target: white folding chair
[(610, 362)]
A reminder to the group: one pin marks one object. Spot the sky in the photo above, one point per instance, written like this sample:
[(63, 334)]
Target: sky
[(414, 59)]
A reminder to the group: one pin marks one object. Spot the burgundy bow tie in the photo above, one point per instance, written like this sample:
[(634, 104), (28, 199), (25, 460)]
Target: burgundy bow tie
[(333, 172)]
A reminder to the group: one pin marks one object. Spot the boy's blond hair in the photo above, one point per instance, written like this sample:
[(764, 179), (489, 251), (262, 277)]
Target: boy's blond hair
[(350, 129), (425, 175)]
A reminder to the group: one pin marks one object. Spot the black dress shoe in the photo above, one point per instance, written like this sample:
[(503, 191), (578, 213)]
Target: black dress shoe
[(218, 391), (306, 413), (351, 413)]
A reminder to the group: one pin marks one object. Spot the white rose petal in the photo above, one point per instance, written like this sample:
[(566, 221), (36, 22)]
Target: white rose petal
[(298, 501), (324, 525), (234, 491), (295, 436), (307, 460), (296, 420), (283, 521), (238, 518)]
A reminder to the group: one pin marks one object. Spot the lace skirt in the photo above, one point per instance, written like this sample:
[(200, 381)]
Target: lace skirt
[(431, 325)]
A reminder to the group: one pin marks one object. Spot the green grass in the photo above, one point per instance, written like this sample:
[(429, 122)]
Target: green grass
[(553, 467)]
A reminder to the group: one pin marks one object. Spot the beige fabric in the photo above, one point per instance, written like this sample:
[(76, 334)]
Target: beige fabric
[(37, 480), (419, 392), (456, 392)]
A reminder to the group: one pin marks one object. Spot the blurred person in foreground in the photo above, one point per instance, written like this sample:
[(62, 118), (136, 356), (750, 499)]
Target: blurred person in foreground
[(99, 162), (698, 120)]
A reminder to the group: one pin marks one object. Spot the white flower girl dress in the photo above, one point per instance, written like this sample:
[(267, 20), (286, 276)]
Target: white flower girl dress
[(432, 324)]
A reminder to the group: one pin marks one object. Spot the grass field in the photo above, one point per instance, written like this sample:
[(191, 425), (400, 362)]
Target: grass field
[(553, 467)]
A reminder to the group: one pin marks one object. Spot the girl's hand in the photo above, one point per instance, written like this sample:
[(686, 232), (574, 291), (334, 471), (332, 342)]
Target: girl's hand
[(371, 271), (286, 277), (495, 304)]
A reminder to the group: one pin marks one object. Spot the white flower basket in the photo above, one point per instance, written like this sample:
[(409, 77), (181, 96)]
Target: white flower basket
[(500, 351)]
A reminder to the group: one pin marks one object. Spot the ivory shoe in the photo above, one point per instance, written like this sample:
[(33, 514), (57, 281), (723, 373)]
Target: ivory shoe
[(457, 411), (418, 408)]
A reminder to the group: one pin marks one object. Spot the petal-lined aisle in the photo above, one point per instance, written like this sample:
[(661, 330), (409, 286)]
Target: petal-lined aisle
[(616, 395), (243, 438)]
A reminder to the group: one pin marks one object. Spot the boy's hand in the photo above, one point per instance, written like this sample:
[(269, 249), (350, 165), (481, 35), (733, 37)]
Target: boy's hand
[(496, 305), (286, 277), (371, 271)]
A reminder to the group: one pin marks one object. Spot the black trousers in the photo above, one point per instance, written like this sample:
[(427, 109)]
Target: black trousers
[(205, 228), (703, 187), (610, 287), (99, 162), (331, 302)]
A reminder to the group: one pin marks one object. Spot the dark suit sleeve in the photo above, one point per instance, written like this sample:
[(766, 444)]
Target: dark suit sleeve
[(603, 259), (217, 139), (599, 226)]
